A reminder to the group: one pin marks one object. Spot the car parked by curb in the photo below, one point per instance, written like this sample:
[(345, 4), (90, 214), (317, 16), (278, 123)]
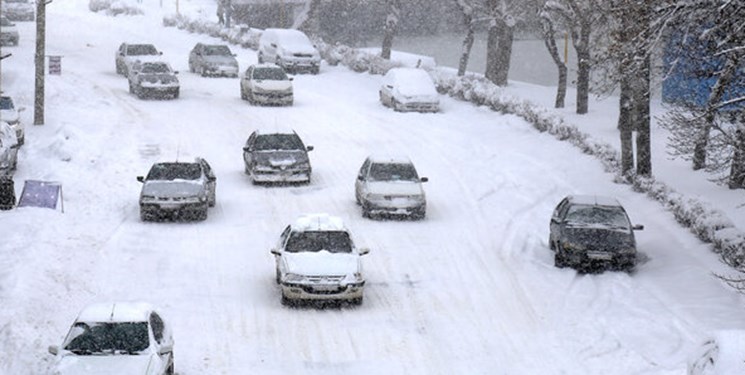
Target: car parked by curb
[(289, 48), (409, 89), (390, 186)]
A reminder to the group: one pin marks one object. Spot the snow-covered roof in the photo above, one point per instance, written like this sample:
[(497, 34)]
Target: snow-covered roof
[(116, 312), (598, 200), (318, 222), (390, 159)]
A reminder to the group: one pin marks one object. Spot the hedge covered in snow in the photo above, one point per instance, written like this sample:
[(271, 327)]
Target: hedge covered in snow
[(708, 224)]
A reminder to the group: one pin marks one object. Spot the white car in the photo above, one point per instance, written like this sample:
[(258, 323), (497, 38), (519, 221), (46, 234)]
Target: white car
[(153, 79), (721, 354), (390, 185), (317, 260), (409, 89), (127, 338), (266, 84), (291, 49), (8, 149), (213, 60), (10, 114), (128, 54)]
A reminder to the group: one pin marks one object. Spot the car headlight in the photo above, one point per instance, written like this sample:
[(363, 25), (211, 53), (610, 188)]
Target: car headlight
[(147, 198), (374, 197), (294, 278), (203, 198), (571, 246)]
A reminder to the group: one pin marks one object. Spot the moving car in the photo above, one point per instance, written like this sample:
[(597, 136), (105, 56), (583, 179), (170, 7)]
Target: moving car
[(178, 190), (18, 10), (721, 354), (289, 48), (128, 54), (127, 338), (390, 186), (8, 32), (589, 232), (316, 260), (153, 79), (409, 89), (276, 156), (266, 84), (8, 149), (12, 115), (213, 60)]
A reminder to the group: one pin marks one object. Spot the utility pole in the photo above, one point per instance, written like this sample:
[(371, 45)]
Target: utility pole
[(228, 12), (40, 57)]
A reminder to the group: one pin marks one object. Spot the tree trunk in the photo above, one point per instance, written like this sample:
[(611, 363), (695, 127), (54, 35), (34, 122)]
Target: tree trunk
[(467, 45), (504, 54), (625, 125), (308, 22), (737, 173), (390, 28), (492, 52), (643, 136), (549, 39), (582, 46), (40, 60)]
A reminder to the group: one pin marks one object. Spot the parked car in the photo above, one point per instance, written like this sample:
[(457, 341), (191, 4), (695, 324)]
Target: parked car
[(291, 49), (8, 32), (128, 54), (266, 84), (127, 338), (153, 79), (213, 60), (409, 89), (10, 114), (587, 232), (317, 260), (8, 149), (178, 190), (390, 186), (276, 156), (723, 353), (19, 10)]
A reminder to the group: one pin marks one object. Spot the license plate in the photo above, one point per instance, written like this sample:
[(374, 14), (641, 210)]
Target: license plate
[(599, 255), (169, 206)]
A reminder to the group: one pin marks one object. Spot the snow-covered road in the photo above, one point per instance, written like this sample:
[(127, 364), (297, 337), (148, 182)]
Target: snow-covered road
[(469, 290)]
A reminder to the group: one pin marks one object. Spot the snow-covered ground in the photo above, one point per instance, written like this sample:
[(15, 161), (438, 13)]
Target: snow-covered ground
[(469, 290)]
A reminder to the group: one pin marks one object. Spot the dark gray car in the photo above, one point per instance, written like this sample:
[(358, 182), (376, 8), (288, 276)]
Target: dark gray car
[(177, 190), (276, 157), (213, 60), (591, 232)]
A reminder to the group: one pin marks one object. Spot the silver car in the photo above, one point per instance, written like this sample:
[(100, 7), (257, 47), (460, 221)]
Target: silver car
[(213, 60), (272, 156), (390, 186), (10, 114), (178, 190), (266, 84), (128, 54), (153, 79)]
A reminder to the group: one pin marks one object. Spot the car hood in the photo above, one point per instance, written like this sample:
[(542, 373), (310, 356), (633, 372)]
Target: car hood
[(395, 188), (271, 85), (281, 158), (105, 365), (221, 60), (418, 91), (292, 48), (602, 238), (321, 263), (173, 189)]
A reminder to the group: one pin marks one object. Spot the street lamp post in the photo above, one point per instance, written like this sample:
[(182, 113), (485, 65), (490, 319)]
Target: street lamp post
[(39, 61)]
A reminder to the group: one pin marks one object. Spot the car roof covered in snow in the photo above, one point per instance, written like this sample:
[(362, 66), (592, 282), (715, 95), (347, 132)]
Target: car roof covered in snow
[(267, 65), (594, 200), (318, 222), (116, 312), (275, 130), (390, 159)]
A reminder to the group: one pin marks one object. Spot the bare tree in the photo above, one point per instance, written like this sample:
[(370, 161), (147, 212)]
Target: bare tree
[(468, 18), (307, 20), (390, 27), (549, 39)]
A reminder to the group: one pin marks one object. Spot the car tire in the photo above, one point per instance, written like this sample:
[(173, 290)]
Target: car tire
[(286, 301), (394, 105), (551, 244), (144, 216), (203, 72), (277, 276), (176, 93), (261, 58), (243, 95), (169, 370), (357, 301), (366, 212), (559, 260), (202, 215), (131, 88), (316, 70)]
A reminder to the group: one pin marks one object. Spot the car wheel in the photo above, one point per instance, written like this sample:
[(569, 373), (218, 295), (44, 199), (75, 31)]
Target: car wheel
[(144, 216), (176, 93), (286, 301), (357, 301), (559, 259), (551, 244), (170, 371), (203, 72), (261, 58), (202, 215), (419, 215), (395, 105), (243, 95), (366, 212), (131, 88)]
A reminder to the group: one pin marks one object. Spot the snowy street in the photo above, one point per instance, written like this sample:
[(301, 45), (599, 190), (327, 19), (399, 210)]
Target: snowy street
[(471, 289)]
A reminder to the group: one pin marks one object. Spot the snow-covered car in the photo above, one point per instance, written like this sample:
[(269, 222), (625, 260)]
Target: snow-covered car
[(276, 156), (390, 186), (8, 149), (128, 54), (213, 60), (266, 84), (317, 260), (409, 89), (178, 190), (590, 232), (723, 353), (153, 79), (127, 338), (8, 32), (10, 114), (19, 10), (289, 48)]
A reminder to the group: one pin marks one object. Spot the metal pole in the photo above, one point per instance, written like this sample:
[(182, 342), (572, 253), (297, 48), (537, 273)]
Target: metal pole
[(228, 12), (39, 60)]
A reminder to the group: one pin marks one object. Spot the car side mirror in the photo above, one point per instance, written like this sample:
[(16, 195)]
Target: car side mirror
[(165, 349), (309, 148), (211, 178), (273, 45), (247, 149), (389, 86), (21, 109), (53, 349), (363, 251), (141, 178), (275, 252), (291, 78), (361, 177), (637, 227), (175, 72), (424, 179)]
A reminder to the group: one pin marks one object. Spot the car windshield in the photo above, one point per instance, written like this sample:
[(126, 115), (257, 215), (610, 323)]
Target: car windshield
[(273, 142), (155, 68), (217, 51), (273, 74), (119, 338), (588, 215), (393, 172), (174, 171), (141, 49), (313, 241), (6, 102)]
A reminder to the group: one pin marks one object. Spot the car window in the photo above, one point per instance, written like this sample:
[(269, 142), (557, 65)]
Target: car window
[(87, 338), (597, 215), (217, 51), (175, 171), (6, 102), (141, 49), (207, 168), (272, 142), (393, 172), (156, 323), (274, 74), (313, 241)]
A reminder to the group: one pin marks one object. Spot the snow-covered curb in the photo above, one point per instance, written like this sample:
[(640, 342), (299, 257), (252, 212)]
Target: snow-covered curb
[(709, 225)]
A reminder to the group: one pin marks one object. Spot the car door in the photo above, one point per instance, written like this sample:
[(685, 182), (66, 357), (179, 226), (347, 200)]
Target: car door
[(280, 248), (163, 341), (248, 151), (249, 80), (361, 181), (211, 182), (556, 219), (192, 58)]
